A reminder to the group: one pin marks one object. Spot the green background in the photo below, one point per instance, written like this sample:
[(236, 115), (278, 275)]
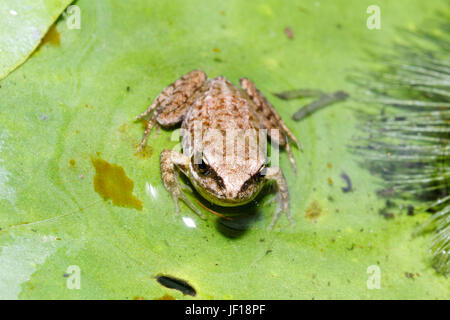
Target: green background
[(70, 101)]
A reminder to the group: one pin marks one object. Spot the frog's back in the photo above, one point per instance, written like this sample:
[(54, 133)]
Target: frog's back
[(223, 113), (222, 106)]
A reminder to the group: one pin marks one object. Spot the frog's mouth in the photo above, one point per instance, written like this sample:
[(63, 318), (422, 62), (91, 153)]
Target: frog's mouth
[(223, 198), (229, 201), (224, 201)]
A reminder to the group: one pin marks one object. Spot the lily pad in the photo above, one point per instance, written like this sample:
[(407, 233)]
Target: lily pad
[(23, 25), (72, 103)]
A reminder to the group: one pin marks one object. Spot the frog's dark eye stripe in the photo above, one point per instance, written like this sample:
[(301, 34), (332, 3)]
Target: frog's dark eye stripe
[(256, 177), (204, 169)]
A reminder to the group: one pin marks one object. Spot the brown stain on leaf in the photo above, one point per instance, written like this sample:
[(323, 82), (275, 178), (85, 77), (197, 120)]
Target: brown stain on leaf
[(123, 127), (166, 297), (111, 182), (289, 33), (52, 37), (313, 211)]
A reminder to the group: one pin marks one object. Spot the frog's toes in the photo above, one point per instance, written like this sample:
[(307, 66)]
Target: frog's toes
[(271, 200), (191, 205), (277, 215)]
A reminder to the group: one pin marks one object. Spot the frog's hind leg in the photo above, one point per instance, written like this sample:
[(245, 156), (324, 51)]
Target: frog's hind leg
[(275, 173), (168, 160), (270, 119), (171, 105)]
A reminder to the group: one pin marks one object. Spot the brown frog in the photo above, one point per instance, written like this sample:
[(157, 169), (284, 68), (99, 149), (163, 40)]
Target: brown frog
[(226, 171)]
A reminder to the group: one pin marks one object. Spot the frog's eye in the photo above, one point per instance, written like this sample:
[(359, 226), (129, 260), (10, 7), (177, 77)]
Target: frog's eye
[(203, 167), (261, 171)]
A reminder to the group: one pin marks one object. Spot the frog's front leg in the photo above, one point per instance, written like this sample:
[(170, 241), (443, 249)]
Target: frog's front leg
[(275, 173), (168, 160), (171, 105)]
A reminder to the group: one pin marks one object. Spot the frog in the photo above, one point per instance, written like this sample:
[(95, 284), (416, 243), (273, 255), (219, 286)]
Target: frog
[(224, 174)]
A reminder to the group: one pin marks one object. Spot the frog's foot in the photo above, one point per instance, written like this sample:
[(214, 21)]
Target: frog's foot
[(275, 173), (168, 160), (271, 200), (148, 128), (171, 105)]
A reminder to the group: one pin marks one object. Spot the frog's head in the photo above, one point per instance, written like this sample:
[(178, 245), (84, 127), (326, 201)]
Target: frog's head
[(226, 183)]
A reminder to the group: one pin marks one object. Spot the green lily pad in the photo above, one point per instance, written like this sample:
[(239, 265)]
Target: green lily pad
[(72, 103), (22, 27)]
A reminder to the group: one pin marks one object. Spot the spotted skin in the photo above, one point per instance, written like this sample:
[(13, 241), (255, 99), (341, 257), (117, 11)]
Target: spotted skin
[(228, 166)]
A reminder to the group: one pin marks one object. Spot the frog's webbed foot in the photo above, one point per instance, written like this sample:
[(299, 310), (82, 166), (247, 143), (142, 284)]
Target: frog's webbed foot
[(168, 160), (171, 105), (275, 173), (270, 119)]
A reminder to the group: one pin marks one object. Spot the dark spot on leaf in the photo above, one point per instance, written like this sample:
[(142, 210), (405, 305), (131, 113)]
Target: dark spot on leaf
[(390, 204), (348, 188), (177, 284), (288, 32), (386, 214)]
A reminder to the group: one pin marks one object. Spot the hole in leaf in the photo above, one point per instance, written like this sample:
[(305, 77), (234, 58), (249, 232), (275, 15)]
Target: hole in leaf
[(177, 284)]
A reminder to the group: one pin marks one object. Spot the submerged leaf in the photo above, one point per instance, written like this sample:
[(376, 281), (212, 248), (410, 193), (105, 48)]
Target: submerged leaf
[(410, 149)]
